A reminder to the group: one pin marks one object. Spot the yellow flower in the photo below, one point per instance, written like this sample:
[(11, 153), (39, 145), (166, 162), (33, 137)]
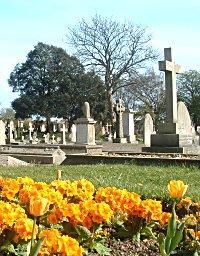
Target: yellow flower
[(39, 206), (177, 188)]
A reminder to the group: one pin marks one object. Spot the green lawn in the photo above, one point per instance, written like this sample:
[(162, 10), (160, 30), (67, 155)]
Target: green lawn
[(148, 181)]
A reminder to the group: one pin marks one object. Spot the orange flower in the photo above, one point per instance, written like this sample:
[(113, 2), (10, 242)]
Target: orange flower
[(39, 206), (177, 188)]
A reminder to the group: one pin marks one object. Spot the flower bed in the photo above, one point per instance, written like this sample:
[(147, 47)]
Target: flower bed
[(74, 218)]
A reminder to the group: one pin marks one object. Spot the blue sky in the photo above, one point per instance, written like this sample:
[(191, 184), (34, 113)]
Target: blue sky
[(24, 23)]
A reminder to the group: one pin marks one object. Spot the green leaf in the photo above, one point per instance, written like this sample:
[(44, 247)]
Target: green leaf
[(8, 247), (171, 229), (101, 249), (161, 240), (36, 248), (83, 233), (69, 229), (177, 238)]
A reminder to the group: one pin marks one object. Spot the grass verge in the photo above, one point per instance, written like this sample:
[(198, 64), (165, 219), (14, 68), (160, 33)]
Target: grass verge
[(148, 181)]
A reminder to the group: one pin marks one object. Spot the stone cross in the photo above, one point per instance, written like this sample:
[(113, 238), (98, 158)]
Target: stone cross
[(171, 69), (53, 139), (45, 138), (119, 111)]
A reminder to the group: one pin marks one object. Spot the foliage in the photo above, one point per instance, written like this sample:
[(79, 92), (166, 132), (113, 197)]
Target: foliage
[(189, 92), (7, 114), (53, 84), (113, 49)]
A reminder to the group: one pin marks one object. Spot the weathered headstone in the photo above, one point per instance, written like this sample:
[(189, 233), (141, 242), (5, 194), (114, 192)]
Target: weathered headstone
[(2, 133), (73, 133), (34, 138), (10, 137), (119, 109), (85, 130), (63, 138), (43, 128), (128, 125), (147, 129), (183, 119)]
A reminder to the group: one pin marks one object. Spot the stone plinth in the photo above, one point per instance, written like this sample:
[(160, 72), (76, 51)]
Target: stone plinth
[(85, 131)]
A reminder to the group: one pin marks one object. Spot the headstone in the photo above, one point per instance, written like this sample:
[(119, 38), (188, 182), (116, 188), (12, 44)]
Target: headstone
[(128, 125), (34, 138), (119, 109), (43, 128), (63, 134), (2, 133), (58, 139), (73, 133), (85, 130), (148, 129), (183, 119), (10, 137), (103, 130), (46, 138)]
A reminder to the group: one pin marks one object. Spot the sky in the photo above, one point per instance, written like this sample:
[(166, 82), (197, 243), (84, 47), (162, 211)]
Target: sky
[(24, 23)]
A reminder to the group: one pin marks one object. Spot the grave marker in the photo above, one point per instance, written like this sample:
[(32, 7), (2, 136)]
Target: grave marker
[(119, 109), (148, 129), (2, 133)]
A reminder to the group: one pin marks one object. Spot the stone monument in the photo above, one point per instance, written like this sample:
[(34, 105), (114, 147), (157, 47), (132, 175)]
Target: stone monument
[(85, 131), (128, 125), (119, 109), (171, 137)]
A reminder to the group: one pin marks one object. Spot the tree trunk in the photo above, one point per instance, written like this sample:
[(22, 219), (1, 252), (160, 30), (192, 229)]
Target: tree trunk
[(48, 120)]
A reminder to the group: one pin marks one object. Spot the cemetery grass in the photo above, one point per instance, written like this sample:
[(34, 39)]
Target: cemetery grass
[(148, 181)]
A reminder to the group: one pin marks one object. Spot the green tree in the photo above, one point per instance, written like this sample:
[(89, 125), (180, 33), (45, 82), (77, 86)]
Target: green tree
[(115, 50), (188, 90), (53, 84)]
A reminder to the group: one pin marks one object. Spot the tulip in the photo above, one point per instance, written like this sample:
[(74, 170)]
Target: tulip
[(177, 188), (39, 206)]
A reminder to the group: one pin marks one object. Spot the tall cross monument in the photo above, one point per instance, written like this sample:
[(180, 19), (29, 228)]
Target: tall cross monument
[(171, 69)]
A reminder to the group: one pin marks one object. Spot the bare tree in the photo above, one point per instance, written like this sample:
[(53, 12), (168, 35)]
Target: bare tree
[(113, 49), (148, 93)]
